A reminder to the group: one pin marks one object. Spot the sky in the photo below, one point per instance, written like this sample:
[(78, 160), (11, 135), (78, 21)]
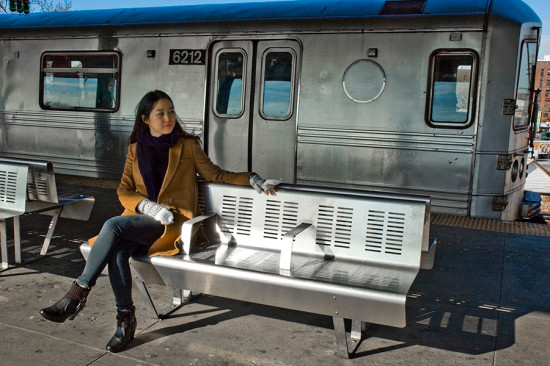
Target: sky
[(541, 7)]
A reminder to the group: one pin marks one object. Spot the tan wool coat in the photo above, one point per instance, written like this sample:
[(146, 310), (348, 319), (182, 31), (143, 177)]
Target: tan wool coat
[(179, 189)]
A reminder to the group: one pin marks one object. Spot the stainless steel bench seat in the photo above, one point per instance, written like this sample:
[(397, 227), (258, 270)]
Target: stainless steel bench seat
[(349, 255)]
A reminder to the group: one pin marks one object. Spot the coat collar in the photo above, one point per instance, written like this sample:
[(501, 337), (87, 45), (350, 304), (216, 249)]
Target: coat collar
[(174, 157)]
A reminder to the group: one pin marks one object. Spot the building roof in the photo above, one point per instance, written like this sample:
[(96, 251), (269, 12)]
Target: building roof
[(268, 11)]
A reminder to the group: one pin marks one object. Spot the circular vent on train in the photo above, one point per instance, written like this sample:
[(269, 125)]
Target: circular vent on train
[(364, 81)]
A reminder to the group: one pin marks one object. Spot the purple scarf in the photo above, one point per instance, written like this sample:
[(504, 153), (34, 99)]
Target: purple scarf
[(152, 153)]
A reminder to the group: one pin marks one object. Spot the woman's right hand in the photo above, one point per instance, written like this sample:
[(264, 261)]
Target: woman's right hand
[(159, 212)]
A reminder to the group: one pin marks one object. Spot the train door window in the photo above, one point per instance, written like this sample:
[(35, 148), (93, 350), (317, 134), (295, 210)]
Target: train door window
[(229, 79), (277, 87), (527, 67), (451, 90), (87, 81)]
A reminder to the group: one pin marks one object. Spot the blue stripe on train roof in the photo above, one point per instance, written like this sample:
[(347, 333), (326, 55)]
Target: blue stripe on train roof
[(256, 11)]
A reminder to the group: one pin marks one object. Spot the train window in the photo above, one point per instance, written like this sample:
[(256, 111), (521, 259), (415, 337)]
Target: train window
[(229, 78), (364, 81), (451, 92), (524, 87), (277, 87), (80, 81)]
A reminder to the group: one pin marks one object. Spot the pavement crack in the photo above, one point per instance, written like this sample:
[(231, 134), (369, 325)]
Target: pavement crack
[(104, 353)]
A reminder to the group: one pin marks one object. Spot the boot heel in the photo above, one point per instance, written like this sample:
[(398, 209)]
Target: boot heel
[(126, 329), (79, 308)]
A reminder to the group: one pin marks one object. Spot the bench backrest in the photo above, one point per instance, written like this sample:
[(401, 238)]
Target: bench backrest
[(351, 225), (41, 184), (13, 189)]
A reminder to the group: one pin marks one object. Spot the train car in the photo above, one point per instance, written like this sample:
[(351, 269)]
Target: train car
[(430, 97)]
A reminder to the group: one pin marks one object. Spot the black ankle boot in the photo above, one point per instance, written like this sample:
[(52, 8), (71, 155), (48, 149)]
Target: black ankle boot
[(126, 328), (69, 306)]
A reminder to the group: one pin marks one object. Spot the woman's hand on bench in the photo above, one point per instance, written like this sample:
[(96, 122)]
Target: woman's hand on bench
[(263, 186)]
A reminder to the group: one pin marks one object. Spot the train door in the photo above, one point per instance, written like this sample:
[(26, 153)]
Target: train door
[(252, 106)]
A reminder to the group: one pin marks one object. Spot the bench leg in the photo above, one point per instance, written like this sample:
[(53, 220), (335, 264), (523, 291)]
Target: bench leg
[(358, 327), (182, 297), (151, 310), (341, 337), (179, 298), (17, 239), (53, 223), (3, 244)]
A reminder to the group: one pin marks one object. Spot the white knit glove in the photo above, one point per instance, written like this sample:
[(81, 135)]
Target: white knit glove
[(261, 185), (158, 212)]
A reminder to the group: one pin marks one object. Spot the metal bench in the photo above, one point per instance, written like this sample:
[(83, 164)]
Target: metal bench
[(29, 187), (349, 255)]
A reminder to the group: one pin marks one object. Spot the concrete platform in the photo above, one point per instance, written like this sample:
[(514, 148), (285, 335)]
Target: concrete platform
[(486, 302)]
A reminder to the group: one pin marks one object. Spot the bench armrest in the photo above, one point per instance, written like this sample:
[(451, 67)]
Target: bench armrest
[(287, 242), (187, 230)]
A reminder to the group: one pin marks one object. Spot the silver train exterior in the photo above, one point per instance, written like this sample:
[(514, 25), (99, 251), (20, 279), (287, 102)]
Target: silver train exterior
[(418, 97)]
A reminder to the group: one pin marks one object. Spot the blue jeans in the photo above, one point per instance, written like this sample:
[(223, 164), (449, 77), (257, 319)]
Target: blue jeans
[(118, 240)]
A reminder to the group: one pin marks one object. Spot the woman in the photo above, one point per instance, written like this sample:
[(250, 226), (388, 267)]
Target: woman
[(158, 191)]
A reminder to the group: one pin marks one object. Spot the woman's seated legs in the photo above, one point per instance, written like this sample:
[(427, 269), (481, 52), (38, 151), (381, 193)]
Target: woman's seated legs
[(119, 238)]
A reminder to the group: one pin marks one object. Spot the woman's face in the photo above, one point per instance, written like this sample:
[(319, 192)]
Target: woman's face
[(162, 118)]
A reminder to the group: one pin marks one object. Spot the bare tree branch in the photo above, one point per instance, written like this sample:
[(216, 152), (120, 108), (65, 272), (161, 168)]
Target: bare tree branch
[(4, 6), (46, 5), (43, 5)]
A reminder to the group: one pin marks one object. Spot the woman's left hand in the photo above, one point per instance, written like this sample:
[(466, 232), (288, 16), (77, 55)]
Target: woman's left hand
[(263, 186)]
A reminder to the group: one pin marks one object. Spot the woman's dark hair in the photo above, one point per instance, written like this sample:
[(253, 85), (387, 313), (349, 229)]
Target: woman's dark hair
[(144, 108)]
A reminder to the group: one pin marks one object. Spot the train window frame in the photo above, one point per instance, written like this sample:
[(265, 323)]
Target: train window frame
[(472, 90), (262, 96), (527, 102), (244, 71), (49, 71)]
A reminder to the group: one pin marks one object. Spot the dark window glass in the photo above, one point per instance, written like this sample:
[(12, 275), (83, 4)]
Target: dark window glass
[(525, 78), (229, 94)]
